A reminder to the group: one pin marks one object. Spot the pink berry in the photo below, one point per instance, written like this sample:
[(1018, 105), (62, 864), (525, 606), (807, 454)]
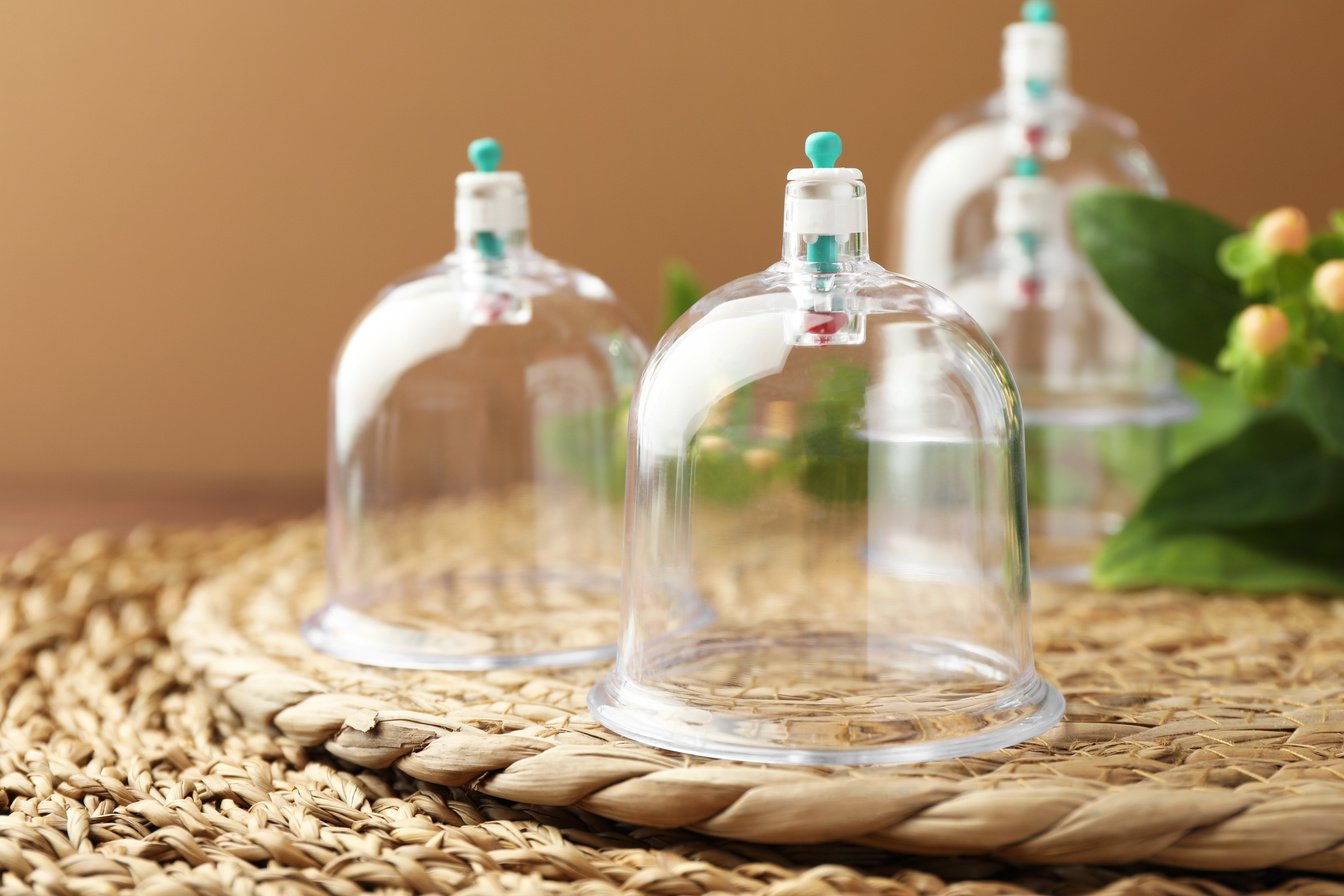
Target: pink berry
[(1329, 285), (1283, 230), (1264, 328)]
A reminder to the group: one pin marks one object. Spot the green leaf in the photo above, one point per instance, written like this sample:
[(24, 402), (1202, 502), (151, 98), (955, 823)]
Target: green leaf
[(1301, 556), (1239, 256), (726, 477), (835, 459), (1330, 331), (1160, 260), (1261, 512), (567, 446), (1274, 470), (681, 290), (1318, 395), (1326, 247), (1222, 414), (1337, 220), (1292, 273)]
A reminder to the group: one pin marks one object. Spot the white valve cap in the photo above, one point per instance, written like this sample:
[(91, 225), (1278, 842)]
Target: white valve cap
[(1035, 51), (830, 208), (494, 201)]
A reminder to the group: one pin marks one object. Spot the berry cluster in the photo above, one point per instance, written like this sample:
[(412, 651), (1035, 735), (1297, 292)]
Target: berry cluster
[(1296, 283)]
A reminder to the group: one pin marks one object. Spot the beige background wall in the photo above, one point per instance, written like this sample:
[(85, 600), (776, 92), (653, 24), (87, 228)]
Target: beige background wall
[(197, 198)]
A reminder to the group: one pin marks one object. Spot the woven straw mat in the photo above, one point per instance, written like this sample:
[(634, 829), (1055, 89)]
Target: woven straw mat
[(1201, 733), (121, 769)]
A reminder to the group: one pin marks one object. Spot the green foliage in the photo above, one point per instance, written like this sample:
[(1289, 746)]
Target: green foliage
[(726, 477), (734, 458), (1329, 332), (1261, 512), (1318, 397), (733, 461), (1260, 379), (1275, 470), (1326, 247), (1222, 414), (1257, 503), (1302, 556), (835, 459), (578, 446), (567, 445), (1160, 260), (1060, 461), (681, 290)]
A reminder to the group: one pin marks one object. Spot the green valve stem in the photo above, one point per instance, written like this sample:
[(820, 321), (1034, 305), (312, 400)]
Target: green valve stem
[(823, 150), (823, 252), (1038, 11), (1027, 166), (485, 155), (489, 244)]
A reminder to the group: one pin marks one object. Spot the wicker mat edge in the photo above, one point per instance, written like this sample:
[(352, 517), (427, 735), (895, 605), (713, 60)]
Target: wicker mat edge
[(1040, 820), (121, 772)]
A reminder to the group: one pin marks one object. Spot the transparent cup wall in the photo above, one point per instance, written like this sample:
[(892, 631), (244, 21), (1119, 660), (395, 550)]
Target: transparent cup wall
[(1099, 395), (1082, 482), (826, 555), (477, 468)]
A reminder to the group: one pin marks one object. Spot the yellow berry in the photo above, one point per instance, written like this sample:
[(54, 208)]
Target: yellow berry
[(717, 416), (1329, 285), (1264, 328), (781, 418), (760, 459), (1283, 230), (712, 443)]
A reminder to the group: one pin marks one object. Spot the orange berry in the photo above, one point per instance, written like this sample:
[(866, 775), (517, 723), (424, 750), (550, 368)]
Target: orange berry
[(1264, 328), (1329, 285), (712, 443), (1283, 230), (760, 459), (781, 418)]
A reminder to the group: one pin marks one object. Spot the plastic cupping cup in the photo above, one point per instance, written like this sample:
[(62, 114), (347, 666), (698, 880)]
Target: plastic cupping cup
[(477, 455), (982, 212), (826, 555)]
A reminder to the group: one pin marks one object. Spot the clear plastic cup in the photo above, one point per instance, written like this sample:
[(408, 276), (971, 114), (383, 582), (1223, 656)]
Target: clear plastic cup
[(826, 546), (982, 213), (477, 457)]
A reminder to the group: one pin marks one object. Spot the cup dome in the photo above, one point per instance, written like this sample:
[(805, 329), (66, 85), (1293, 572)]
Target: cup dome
[(825, 521), (477, 456), (982, 212)]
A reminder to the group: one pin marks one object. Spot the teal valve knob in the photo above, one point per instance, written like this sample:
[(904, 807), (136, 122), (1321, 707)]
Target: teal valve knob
[(823, 149), (485, 154), (1038, 11)]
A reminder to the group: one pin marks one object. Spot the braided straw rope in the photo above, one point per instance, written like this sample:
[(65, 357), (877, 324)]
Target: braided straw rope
[(1203, 733), (119, 774)]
